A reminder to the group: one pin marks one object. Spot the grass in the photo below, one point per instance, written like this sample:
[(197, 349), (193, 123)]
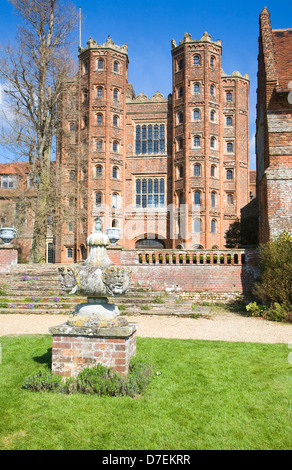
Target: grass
[(206, 395)]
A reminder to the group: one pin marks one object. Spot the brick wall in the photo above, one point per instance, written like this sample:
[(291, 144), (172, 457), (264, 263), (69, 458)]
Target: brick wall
[(274, 130)]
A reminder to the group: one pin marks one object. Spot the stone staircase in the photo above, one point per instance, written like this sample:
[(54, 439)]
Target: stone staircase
[(36, 289)]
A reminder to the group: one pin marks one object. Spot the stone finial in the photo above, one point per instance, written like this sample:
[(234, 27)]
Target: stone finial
[(187, 37), (266, 12), (265, 17), (206, 37), (236, 74)]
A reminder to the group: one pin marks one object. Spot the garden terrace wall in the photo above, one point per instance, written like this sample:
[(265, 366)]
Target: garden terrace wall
[(225, 271)]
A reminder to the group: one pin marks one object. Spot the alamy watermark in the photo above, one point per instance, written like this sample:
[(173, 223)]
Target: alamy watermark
[(168, 222)]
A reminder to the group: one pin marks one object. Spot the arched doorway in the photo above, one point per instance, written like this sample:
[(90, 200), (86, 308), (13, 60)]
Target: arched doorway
[(149, 243), (83, 252)]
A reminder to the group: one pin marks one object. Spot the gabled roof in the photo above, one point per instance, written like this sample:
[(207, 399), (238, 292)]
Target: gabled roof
[(19, 168)]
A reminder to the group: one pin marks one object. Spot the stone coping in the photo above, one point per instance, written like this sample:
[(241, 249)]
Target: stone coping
[(123, 332)]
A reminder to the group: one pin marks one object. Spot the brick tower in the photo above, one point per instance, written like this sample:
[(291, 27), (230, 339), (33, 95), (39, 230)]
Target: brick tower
[(210, 142)]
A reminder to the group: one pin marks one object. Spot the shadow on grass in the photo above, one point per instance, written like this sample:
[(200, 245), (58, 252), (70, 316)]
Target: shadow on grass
[(45, 358)]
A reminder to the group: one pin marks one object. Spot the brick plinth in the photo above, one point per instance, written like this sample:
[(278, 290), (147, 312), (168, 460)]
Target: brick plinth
[(75, 348), (8, 258)]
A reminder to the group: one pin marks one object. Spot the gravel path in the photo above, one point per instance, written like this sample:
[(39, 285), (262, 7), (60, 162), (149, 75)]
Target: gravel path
[(222, 326)]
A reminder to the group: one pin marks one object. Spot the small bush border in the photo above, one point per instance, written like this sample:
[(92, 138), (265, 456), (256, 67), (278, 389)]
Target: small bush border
[(98, 380)]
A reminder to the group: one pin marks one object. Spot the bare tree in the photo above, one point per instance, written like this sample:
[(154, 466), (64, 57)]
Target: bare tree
[(34, 73)]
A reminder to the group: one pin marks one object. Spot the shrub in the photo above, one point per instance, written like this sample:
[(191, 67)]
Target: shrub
[(98, 380), (275, 312), (43, 381), (275, 280), (254, 309)]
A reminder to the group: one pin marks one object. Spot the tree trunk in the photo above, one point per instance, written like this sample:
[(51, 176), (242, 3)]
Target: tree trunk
[(38, 251)]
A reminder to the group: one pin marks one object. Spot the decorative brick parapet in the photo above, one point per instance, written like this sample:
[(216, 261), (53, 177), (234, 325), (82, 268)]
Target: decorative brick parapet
[(75, 348), (8, 258)]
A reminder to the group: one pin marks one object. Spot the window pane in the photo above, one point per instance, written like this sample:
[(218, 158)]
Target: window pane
[(197, 141), (196, 114), (196, 88), (144, 186), (156, 131), (196, 60), (150, 186), (229, 147), (197, 225), (197, 170), (213, 199), (150, 132), (156, 185), (144, 132), (138, 133), (138, 186)]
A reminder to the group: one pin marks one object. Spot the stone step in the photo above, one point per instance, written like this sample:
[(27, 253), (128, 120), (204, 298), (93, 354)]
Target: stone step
[(32, 288)]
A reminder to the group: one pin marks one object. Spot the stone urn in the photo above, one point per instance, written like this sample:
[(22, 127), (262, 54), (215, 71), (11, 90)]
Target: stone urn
[(95, 332), (114, 234), (7, 234), (97, 279)]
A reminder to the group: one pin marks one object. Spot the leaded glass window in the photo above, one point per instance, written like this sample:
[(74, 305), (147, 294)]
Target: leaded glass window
[(150, 139), (150, 192)]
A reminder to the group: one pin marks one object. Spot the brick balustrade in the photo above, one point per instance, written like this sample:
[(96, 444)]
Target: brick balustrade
[(216, 271)]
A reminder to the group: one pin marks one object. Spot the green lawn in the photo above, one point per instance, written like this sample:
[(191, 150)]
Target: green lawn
[(207, 395)]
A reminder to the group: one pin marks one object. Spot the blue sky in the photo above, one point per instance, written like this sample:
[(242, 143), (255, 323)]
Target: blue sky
[(148, 27)]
